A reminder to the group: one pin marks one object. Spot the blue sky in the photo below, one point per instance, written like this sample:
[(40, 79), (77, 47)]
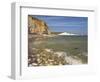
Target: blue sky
[(77, 25)]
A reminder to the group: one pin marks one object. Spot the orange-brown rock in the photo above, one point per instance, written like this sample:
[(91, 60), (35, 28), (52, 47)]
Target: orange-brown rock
[(37, 26)]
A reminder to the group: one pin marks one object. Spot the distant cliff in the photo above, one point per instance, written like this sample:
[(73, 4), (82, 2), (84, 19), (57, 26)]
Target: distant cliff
[(37, 26)]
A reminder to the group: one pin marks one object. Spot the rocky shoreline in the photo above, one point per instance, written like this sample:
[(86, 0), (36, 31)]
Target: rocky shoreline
[(49, 57), (48, 48)]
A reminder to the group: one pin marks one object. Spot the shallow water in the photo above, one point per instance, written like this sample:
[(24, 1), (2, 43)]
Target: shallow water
[(75, 46)]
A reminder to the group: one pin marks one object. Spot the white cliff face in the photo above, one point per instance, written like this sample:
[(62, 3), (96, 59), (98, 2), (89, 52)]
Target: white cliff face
[(66, 33)]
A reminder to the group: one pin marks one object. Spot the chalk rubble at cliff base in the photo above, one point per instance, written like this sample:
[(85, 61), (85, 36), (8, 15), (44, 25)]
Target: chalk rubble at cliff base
[(46, 57)]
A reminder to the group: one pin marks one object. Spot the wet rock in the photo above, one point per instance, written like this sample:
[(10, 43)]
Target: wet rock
[(34, 64), (71, 60), (61, 54), (45, 57), (49, 50)]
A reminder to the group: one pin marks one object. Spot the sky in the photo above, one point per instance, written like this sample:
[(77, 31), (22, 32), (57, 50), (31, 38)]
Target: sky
[(76, 25)]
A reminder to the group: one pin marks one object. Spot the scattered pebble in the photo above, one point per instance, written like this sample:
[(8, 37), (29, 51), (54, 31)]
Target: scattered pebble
[(47, 57)]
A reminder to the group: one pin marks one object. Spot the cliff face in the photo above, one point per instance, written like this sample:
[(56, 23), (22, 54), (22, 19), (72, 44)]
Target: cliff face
[(37, 26)]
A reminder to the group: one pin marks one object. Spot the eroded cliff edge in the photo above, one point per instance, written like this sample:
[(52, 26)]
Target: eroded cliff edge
[(37, 26)]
